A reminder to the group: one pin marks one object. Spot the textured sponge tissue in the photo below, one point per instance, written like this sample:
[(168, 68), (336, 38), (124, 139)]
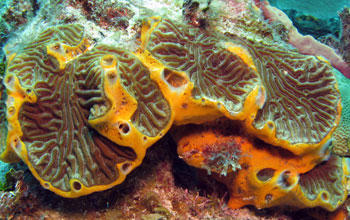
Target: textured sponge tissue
[(81, 116)]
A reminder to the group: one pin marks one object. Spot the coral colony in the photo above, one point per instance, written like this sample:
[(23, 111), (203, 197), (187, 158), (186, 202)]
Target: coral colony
[(258, 117)]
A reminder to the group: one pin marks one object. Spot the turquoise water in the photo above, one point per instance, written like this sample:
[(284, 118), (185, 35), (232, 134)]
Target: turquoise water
[(318, 18), (317, 8)]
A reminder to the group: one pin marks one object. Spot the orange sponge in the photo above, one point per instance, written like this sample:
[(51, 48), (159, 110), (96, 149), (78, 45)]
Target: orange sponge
[(285, 98), (217, 78), (80, 118), (260, 174)]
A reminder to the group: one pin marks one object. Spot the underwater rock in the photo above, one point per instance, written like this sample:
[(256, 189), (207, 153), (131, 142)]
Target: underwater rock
[(14, 15)]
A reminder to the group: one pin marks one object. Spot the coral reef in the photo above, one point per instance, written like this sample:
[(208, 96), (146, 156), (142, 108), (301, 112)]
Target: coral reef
[(341, 44), (13, 15), (3, 120), (106, 13), (114, 93), (341, 136), (16, 201), (80, 106), (344, 45)]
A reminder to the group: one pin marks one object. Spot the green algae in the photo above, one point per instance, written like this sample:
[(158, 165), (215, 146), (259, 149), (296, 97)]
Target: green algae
[(7, 181)]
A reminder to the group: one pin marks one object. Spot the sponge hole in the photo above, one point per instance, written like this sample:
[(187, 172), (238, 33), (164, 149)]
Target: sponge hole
[(270, 125), (126, 168), (123, 127), (173, 78), (112, 76), (325, 196), (265, 174), (11, 110), (286, 179), (56, 47), (76, 185), (108, 61), (46, 185)]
